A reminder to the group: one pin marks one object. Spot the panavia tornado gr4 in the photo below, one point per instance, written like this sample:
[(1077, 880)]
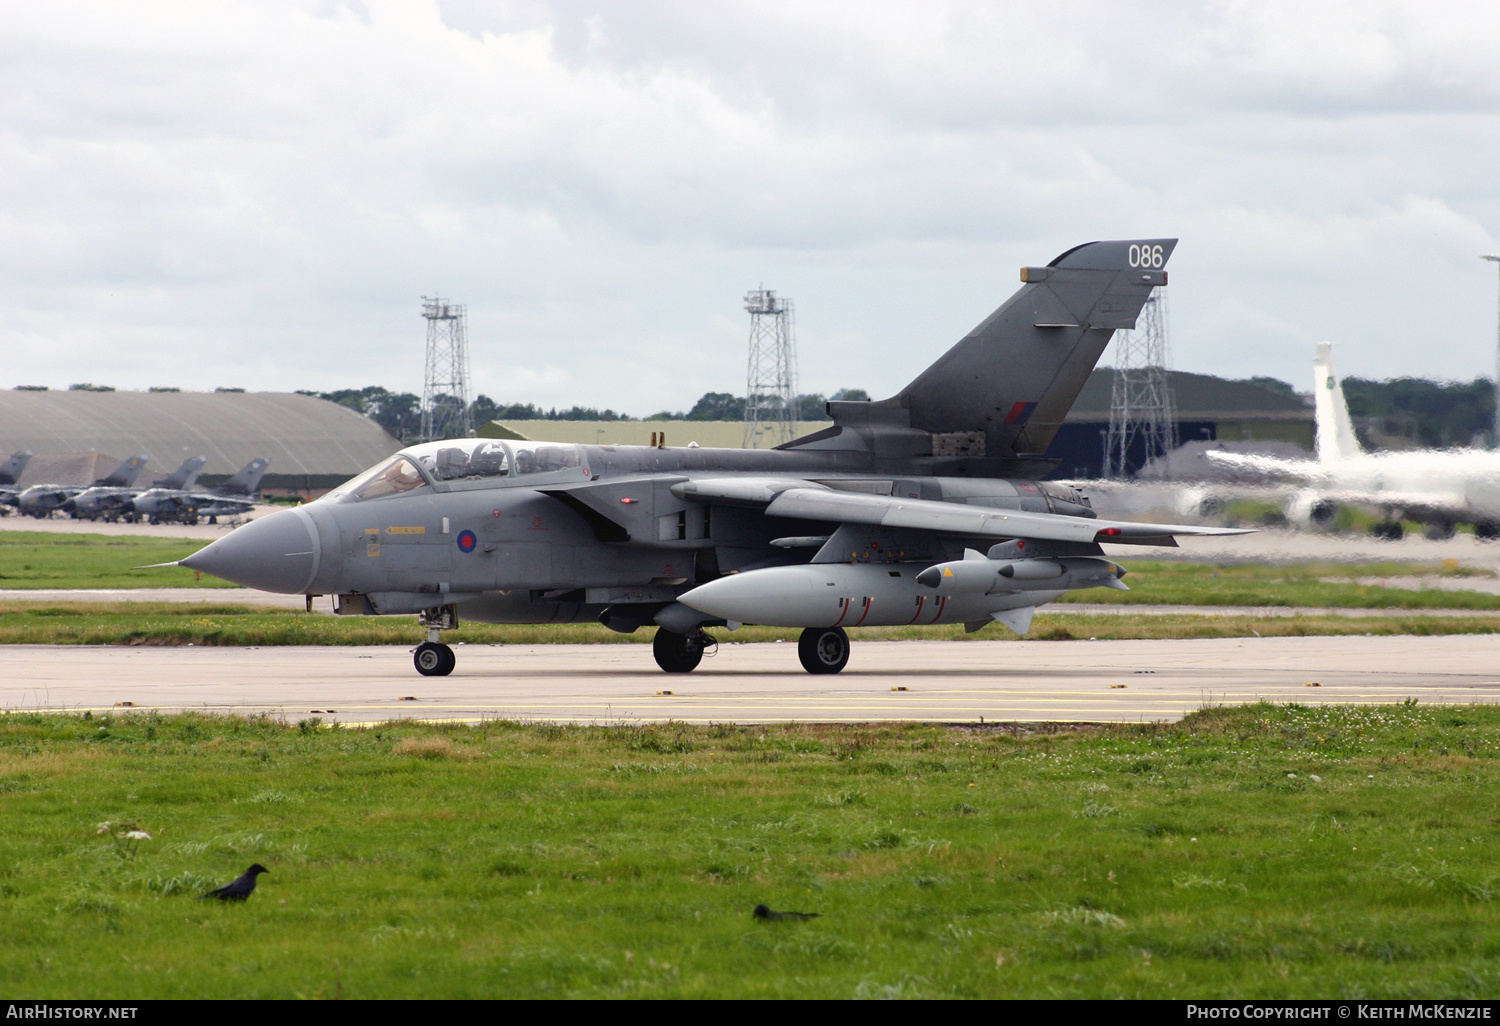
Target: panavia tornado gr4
[(925, 508)]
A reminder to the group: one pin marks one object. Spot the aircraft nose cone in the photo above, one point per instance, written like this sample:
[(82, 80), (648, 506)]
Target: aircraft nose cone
[(275, 553)]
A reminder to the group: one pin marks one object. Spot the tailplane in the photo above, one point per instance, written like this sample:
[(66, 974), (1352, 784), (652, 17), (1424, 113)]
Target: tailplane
[(1335, 438)]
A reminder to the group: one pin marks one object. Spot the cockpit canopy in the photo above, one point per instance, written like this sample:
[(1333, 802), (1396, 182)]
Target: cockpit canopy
[(466, 463)]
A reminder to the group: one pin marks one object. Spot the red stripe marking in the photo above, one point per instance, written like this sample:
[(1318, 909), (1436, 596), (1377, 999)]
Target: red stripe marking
[(845, 613), (1015, 412), (865, 614), (942, 605), (920, 600)]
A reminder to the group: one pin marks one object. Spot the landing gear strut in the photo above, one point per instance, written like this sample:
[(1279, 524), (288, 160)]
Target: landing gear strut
[(433, 658), (679, 653), (823, 649)]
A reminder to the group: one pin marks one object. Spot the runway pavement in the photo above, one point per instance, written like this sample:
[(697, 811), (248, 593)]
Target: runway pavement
[(942, 681)]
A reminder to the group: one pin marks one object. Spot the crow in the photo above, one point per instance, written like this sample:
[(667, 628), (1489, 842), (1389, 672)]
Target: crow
[(761, 912), (240, 887)]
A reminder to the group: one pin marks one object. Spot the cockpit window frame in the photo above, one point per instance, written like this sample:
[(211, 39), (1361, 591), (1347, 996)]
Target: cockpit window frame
[(350, 491), (424, 456), (571, 457)]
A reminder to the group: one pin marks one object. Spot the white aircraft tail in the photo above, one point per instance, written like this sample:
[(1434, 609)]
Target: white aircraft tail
[(1336, 439)]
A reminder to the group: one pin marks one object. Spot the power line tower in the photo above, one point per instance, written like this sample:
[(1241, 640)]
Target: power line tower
[(1142, 414), (445, 391), (771, 379)]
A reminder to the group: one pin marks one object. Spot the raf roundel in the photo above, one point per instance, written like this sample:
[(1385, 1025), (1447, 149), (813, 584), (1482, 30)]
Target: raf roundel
[(466, 541)]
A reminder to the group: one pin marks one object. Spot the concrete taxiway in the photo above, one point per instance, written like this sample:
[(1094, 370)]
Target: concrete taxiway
[(998, 681)]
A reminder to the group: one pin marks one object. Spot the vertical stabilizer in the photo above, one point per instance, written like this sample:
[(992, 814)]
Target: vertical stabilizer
[(15, 467), (1012, 379), (247, 481), (125, 474), (1336, 439), (184, 476)]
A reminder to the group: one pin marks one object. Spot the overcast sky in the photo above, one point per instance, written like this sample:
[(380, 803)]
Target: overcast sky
[(257, 194)]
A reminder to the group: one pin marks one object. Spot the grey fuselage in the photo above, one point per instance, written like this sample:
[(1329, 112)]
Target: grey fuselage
[(604, 537)]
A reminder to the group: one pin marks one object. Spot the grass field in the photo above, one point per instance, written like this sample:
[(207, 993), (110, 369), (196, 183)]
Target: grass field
[(1254, 852), (169, 624), (38, 559), (1301, 584)]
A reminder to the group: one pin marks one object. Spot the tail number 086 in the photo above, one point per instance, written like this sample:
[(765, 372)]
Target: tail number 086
[(1145, 256)]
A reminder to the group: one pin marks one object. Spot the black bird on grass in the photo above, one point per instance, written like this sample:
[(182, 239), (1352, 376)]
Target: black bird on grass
[(240, 887), (761, 912)]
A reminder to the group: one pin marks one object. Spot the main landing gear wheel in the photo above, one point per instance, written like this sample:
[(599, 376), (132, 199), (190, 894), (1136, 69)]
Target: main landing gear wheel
[(678, 653), (823, 649), (434, 660)]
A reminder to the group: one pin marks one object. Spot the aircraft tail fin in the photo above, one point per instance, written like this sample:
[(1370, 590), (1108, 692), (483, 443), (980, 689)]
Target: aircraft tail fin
[(14, 467), (247, 481), (1335, 438), (125, 474), (1005, 388), (184, 476)]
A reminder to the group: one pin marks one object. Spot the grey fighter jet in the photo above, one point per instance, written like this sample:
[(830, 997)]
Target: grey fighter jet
[(112, 503), (927, 507), (42, 500), (185, 506), (9, 475)]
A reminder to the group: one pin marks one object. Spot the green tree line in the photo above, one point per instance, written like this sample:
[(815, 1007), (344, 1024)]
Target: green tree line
[(400, 413)]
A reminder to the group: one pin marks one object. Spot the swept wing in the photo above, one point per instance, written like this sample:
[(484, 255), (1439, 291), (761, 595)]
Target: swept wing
[(797, 501)]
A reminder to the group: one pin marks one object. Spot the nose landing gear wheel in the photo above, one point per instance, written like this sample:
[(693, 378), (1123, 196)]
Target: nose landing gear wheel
[(434, 660), (823, 649), (677, 653)]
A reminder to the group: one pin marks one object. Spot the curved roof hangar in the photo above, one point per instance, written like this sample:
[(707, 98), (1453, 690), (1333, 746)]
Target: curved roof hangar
[(300, 434)]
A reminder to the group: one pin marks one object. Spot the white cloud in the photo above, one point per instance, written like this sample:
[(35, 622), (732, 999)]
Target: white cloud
[(256, 195)]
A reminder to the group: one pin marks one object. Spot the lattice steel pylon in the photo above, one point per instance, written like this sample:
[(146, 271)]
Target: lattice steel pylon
[(445, 390), (771, 377), (1142, 414)]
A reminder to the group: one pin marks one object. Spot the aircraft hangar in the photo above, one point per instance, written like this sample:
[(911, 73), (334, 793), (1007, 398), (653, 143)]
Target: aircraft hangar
[(313, 444), (1209, 409)]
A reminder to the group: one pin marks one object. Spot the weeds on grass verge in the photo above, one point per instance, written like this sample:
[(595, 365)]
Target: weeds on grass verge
[(500, 859)]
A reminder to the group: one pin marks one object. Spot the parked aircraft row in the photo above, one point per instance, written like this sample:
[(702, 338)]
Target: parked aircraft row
[(173, 499), (1439, 488)]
